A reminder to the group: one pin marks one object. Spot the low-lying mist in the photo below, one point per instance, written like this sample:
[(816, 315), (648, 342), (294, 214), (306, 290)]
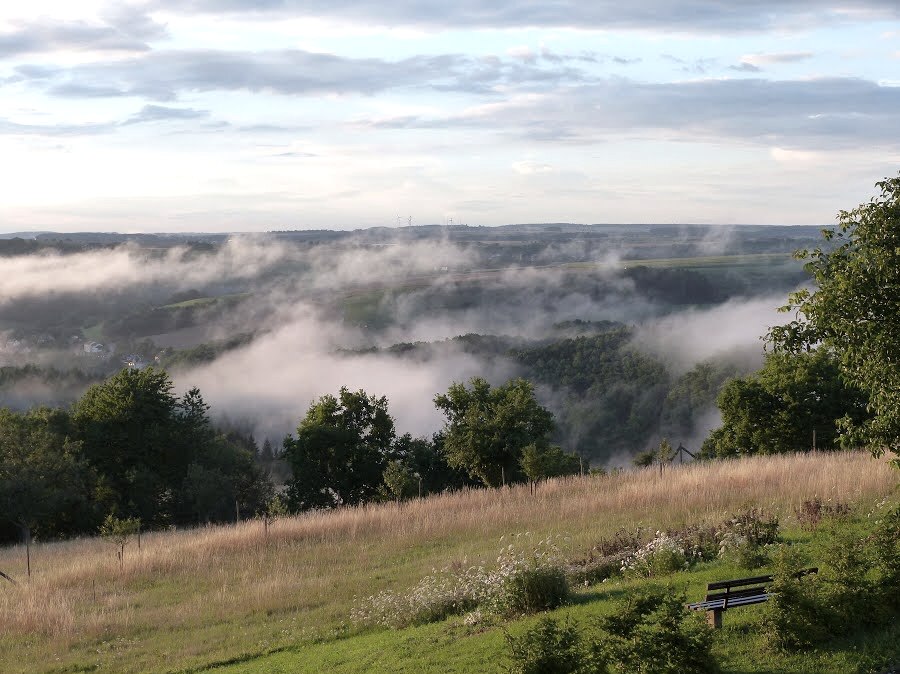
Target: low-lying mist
[(322, 316)]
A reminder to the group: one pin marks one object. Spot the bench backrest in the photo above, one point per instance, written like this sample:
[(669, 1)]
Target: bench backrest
[(756, 580)]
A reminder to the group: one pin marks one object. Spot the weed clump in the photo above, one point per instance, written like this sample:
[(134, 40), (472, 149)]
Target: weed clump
[(522, 582), (746, 538)]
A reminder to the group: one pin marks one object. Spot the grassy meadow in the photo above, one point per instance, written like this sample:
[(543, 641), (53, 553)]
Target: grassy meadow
[(241, 598)]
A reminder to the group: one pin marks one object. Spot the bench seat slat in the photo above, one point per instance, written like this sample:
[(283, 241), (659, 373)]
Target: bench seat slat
[(737, 601)]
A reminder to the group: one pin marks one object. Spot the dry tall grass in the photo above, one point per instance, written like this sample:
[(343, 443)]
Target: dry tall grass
[(302, 577)]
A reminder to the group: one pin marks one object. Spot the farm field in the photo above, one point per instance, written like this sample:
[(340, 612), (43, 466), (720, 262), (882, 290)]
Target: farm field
[(238, 598)]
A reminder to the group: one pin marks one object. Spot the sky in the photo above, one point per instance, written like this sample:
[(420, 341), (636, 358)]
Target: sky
[(256, 115)]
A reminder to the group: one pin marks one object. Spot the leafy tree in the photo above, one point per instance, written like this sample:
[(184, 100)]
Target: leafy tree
[(131, 431), (399, 481), (159, 456), (425, 458), (540, 462), (340, 452), (778, 408), (855, 312), (488, 428), (45, 487), (118, 530)]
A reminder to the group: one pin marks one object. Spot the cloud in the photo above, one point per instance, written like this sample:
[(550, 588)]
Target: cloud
[(158, 113), (702, 16), (779, 57), (825, 113), (529, 167), (745, 67), (163, 75), (123, 28)]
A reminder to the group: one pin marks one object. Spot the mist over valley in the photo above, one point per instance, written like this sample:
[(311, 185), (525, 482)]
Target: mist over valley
[(610, 323)]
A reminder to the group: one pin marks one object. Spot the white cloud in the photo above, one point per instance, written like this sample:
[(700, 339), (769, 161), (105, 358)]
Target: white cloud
[(529, 167)]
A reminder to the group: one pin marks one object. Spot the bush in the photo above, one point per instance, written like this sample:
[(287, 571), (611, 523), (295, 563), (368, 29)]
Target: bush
[(528, 582), (813, 511), (792, 619), (846, 592), (661, 556), (551, 648), (885, 550), (744, 538), (652, 634), (530, 590)]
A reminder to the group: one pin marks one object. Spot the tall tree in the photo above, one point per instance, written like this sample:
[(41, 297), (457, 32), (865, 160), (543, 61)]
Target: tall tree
[(855, 312), (159, 455), (779, 408), (341, 450), (488, 428), (45, 486)]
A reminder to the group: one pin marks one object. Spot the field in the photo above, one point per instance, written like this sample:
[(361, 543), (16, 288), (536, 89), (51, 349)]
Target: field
[(270, 601)]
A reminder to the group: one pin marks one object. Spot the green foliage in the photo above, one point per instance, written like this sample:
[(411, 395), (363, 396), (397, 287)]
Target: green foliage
[(746, 537), (46, 487), (540, 462), (692, 394), (158, 457), (340, 452), (488, 428), (661, 556), (792, 619), (885, 547), (399, 481), (608, 395), (551, 648), (651, 633), (425, 459), (530, 589), (118, 530), (778, 408), (854, 312), (525, 580)]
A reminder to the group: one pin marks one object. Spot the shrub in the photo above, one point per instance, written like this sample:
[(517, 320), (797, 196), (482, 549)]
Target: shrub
[(846, 593), (812, 511), (661, 556), (651, 633), (885, 547), (528, 582), (550, 648), (744, 537), (791, 619)]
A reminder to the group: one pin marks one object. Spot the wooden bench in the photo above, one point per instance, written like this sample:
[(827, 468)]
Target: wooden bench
[(726, 594)]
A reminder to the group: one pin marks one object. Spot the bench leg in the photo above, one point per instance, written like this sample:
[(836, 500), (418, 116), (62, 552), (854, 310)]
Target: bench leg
[(714, 618)]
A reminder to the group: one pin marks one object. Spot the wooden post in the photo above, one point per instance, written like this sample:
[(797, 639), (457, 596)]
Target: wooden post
[(503, 476), (714, 618), (28, 549), (237, 512), (420, 486)]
